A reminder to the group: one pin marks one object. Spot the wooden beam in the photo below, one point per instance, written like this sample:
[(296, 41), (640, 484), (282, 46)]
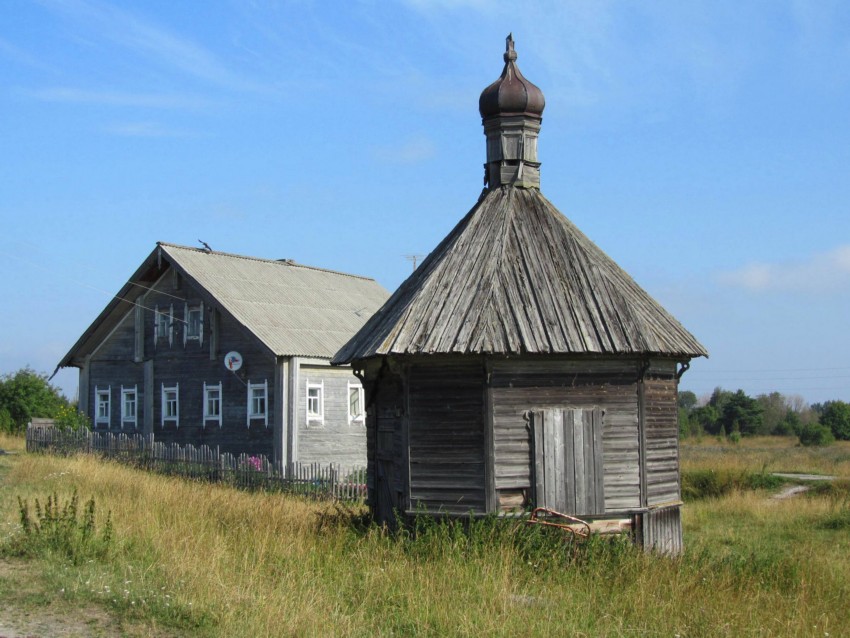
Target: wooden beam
[(292, 409), (279, 420)]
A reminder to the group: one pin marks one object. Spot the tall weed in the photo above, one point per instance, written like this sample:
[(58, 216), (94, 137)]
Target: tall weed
[(60, 530)]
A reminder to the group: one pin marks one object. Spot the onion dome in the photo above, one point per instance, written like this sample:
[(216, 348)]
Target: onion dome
[(511, 94)]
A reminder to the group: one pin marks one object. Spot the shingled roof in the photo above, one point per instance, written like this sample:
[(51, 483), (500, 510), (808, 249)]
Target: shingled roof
[(517, 277), (292, 309)]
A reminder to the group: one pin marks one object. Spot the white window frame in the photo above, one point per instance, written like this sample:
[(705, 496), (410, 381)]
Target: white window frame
[(161, 331), (251, 414), (126, 392), (356, 418), (175, 418), (187, 318), (98, 403), (312, 415), (207, 415)]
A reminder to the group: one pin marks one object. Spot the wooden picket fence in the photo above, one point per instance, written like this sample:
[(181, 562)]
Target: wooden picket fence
[(247, 471)]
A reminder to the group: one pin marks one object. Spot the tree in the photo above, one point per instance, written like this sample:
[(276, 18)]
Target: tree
[(707, 417), (775, 409), (687, 400), (741, 413), (26, 394), (836, 416)]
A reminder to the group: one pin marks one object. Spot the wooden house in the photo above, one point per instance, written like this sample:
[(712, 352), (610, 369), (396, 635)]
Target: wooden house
[(202, 347), (519, 366)]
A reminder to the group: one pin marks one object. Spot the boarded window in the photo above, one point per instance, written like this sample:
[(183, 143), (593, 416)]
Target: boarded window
[(568, 464)]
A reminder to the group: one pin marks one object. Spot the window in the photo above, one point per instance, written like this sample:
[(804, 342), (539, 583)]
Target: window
[(162, 328), (257, 402), (128, 406), (356, 411), (171, 404), (102, 405), (315, 402), (212, 403), (193, 327)]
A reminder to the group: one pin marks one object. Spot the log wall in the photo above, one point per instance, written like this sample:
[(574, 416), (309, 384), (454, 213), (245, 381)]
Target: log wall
[(446, 424), (519, 386)]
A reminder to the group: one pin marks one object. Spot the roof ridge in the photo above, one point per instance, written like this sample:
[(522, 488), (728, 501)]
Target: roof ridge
[(282, 262)]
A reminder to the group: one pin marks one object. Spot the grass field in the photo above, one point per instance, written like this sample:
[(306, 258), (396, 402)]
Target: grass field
[(197, 559)]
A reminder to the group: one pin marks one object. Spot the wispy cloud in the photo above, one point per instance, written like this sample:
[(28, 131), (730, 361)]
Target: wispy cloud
[(19, 55), (144, 129), (413, 151), (152, 40), (821, 272), (117, 98)]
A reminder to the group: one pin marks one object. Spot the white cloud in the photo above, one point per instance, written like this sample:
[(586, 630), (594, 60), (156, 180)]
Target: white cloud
[(821, 272), (413, 151)]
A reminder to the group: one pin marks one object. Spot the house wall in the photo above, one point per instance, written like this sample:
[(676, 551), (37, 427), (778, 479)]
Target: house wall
[(661, 438), (188, 365), (446, 437), (336, 438), (118, 361), (518, 386), (439, 454)]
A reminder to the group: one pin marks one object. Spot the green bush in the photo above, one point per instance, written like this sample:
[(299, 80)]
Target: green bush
[(700, 484), (69, 418), (815, 434), (57, 531)]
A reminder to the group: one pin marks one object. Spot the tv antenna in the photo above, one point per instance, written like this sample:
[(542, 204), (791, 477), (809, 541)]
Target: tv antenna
[(414, 259)]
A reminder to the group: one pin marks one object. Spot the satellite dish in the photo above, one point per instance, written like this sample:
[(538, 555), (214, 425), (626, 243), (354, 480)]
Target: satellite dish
[(233, 361)]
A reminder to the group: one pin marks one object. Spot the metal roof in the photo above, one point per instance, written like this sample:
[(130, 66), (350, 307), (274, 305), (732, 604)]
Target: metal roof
[(294, 310), (517, 277)]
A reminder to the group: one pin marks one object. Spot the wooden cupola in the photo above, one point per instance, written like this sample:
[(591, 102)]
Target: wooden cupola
[(511, 111)]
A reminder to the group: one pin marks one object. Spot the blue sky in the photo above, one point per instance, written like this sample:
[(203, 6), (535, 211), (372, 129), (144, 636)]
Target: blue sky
[(705, 146)]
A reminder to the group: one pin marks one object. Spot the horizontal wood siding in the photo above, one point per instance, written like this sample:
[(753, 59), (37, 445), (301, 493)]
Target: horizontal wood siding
[(189, 366), (446, 438), (387, 470), (523, 385), (334, 440), (662, 440)]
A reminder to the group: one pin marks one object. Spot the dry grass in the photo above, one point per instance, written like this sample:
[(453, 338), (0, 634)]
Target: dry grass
[(209, 560), (765, 453)]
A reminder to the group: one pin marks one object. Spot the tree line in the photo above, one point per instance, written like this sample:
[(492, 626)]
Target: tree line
[(735, 414)]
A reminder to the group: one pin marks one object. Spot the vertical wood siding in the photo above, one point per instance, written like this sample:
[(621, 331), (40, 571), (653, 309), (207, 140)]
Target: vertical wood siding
[(661, 531), (446, 424), (568, 466)]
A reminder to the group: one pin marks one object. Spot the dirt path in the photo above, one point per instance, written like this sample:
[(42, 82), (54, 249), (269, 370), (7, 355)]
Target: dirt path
[(791, 491)]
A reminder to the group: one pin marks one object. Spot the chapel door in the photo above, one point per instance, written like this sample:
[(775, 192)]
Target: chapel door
[(568, 461)]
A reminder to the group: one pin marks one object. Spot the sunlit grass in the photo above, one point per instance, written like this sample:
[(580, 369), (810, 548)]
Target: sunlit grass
[(210, 560), (765, 453)]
